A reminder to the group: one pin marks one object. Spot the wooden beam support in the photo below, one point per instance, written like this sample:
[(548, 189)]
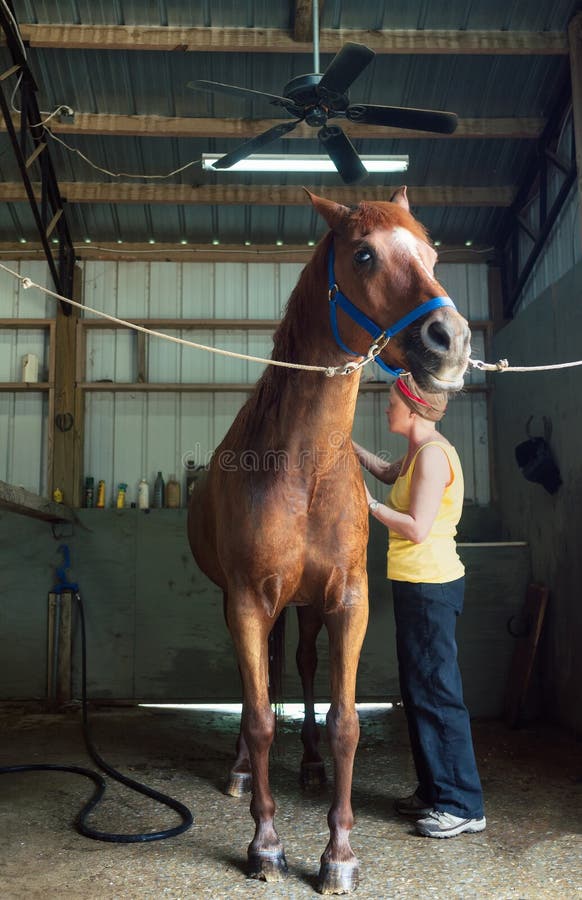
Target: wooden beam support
[(66, 427), (510, 128), (575, 39), (259, 253), (273, 40), (258, 195), (303, 20)]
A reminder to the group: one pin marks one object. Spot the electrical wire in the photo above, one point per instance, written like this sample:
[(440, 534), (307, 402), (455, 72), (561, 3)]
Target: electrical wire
[(98, 780)]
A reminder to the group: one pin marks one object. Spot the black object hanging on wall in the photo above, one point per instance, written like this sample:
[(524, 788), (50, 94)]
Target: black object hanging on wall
[(536, 461)]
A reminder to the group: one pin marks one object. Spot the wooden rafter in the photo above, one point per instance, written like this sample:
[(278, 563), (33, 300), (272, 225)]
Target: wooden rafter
[(273, 40), (182, 127), (196, 252), (271, 195), (303, 20)]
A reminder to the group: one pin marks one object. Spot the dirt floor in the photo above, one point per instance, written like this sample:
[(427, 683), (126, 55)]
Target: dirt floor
[(532, 847)]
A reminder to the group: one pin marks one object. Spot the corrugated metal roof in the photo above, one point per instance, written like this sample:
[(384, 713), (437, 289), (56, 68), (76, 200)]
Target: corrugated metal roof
[(123, 82)]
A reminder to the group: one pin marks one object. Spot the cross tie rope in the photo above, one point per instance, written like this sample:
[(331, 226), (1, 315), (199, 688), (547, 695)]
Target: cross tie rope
[(501, 366)]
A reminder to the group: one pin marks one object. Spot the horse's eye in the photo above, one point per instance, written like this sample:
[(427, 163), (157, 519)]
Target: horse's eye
[(364, 255)]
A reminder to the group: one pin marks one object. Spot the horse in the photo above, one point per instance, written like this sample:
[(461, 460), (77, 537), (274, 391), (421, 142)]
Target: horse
[(281, 517)]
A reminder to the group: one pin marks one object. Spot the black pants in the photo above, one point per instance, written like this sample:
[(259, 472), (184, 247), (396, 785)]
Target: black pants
[(432, 693)]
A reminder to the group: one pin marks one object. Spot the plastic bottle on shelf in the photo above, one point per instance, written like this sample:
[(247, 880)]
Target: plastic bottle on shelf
[(121, 490), (159, 492), (100, 495), (172, 493), (143, 495), (88, 500)]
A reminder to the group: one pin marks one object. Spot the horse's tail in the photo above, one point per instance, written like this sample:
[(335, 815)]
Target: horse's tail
[(277, 659)]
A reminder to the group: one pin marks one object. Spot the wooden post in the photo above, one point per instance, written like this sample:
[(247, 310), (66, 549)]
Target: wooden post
[(575, 41), (66, 427)]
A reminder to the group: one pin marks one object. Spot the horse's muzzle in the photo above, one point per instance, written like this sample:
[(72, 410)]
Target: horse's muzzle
[(441, 349)]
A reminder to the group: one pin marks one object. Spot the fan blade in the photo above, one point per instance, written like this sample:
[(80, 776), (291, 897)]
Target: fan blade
[(344, 68), (403, 117), (216, 87), (244, 150), (342, 153)]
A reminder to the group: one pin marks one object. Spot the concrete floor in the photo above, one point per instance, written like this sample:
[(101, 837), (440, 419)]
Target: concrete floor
[(532, 847)]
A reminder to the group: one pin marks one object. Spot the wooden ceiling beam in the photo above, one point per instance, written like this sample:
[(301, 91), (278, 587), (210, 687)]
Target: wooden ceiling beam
[(183, 127), (303, 20), (273, 40), (258, 195), (196, 252)]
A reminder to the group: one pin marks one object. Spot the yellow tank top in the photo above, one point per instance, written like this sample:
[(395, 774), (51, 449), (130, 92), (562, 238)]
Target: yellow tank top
[(435, 560)]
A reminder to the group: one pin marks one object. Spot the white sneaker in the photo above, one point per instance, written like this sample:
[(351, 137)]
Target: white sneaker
[(444, 825)]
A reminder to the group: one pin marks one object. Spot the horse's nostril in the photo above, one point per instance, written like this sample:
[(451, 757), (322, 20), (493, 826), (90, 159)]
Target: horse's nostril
[(438, 336)]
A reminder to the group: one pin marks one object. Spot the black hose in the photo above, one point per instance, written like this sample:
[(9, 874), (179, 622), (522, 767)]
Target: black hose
[(99, 781)]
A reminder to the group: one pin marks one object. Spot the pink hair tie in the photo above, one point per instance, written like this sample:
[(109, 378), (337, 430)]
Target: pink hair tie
[(408, 393)]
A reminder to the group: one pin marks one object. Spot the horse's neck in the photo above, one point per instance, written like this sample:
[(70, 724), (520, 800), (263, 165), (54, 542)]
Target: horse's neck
[(310, 404)]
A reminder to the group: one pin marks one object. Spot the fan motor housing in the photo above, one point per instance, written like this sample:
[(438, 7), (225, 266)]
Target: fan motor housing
[(302, 90)]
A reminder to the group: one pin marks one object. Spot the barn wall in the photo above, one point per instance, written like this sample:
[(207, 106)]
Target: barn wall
[(172, 427), (23, 432), (133, 435), (547, 331), (155, 627), (563, 249)]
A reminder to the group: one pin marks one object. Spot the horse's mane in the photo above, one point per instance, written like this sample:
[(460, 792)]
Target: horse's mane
[(289, 338)]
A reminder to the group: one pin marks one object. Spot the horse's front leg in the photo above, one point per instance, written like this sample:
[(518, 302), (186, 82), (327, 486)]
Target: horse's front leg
[(312, 773), (249, 627), (239, 778), (339, 871)]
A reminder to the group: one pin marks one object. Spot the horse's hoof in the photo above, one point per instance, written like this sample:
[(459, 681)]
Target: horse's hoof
[(312, 775), (267, 866), (338, 878), (238, 783)]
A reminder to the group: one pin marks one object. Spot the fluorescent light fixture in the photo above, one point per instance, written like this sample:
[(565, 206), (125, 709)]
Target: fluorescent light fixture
[(287, 162)]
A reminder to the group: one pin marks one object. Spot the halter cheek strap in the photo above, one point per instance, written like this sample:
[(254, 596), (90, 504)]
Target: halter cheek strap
[(336, 298)]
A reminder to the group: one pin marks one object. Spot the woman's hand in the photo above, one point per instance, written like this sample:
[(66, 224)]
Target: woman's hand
[(369, 496)]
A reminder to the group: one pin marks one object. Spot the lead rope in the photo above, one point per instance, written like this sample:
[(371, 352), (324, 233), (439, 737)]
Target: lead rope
[(329, 371), (503, 366), (347, 369)]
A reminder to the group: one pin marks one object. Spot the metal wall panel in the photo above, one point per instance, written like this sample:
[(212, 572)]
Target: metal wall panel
[(129, 436), (15, 301), (170, 426), (562, 250), (155, 625), (23, 449)]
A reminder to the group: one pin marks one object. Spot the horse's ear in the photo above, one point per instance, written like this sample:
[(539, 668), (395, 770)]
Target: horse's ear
[(399, 197), (334, 213)]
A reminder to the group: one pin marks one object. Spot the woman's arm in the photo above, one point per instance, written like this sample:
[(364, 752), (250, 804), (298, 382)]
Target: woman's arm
[(429, 480), (383, 470)]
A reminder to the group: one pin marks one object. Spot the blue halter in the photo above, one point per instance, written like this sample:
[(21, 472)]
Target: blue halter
[(336, 298)]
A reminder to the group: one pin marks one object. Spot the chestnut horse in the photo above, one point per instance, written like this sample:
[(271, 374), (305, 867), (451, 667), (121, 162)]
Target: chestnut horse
[(292, 527)]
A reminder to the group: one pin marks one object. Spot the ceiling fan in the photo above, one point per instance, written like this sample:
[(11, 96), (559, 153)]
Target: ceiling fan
[(316, 98)]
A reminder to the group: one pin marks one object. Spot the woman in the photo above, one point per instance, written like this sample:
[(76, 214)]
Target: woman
[(428, 582)]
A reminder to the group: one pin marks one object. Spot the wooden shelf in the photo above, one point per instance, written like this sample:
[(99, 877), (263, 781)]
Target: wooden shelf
[(25, 386), (25, 503), (26, 323), (144, 387), (203, 324), (181, 324), (218, 387)]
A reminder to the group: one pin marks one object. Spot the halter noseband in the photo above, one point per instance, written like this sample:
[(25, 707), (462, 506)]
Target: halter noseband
[(336, 298)]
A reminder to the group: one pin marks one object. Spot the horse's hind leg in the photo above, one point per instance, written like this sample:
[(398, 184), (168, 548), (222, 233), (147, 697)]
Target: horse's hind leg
[(312, 773), (249, 630)]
